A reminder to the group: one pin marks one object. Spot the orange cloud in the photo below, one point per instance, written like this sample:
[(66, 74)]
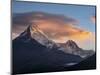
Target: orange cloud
[(81, 36), (61, 32), (21, 21), (93, 19)]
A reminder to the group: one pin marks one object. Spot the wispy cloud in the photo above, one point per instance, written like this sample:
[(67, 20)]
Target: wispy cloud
[(93, 19)]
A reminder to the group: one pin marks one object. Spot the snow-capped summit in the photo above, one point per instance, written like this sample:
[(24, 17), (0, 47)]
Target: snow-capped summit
[(71, 44), (71, 47), (34, 32)]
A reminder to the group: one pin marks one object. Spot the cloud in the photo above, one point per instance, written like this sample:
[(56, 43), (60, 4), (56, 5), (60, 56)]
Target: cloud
[(22, 20), (88, 43), (93, 19), (26, 18), (65, 32), (59, 28)]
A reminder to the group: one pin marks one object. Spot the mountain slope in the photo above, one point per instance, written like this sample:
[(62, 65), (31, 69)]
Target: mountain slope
[(30, 55), (86, 64), (72, 48)]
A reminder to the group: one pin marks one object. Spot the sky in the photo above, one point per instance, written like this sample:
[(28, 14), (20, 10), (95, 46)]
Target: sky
[(76, 22)]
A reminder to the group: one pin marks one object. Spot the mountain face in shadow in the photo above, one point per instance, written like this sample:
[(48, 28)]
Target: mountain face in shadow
[(86, 64), (31, 56), (34, 52)]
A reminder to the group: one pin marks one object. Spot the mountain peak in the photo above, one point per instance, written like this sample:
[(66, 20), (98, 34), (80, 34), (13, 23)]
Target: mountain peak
[(34, 32), (72, 44)]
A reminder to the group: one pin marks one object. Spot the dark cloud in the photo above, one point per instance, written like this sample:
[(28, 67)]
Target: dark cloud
[(26, 18)]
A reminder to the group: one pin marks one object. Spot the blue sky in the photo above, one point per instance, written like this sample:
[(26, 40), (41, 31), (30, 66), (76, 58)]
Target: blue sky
[(79, 12)]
